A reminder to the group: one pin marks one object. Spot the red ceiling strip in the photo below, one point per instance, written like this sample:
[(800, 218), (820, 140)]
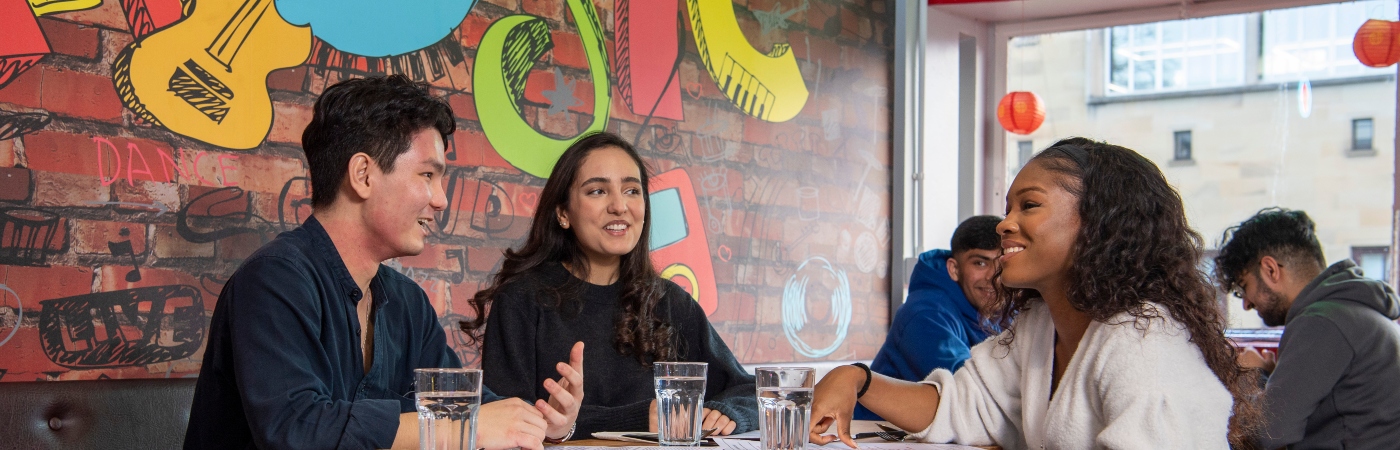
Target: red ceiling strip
[(955, 2)]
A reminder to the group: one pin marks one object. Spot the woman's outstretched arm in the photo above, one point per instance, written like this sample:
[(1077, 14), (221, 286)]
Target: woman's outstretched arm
[(909, 406)]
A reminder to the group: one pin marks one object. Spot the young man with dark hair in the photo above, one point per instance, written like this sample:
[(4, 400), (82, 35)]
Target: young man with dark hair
[(313, 341), (1334, 382), (944, 315)]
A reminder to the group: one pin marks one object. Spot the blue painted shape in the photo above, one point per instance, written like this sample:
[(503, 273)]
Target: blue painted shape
[(667, 218), (377, 27)]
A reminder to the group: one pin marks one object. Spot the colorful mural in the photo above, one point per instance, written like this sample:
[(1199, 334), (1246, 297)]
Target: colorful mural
[(148, 146)]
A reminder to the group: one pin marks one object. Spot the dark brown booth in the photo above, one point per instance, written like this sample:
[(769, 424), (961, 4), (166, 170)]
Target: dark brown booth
[(106, 414)]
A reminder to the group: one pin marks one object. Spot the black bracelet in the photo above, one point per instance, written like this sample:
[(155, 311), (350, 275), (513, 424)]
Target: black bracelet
[(865, 386)]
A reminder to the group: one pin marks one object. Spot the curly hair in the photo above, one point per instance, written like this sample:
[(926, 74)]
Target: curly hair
[(1134, 246), (1287, 235), (640, 332)]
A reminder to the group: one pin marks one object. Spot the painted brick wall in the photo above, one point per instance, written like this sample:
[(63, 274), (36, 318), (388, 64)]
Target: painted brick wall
[(118, 225)]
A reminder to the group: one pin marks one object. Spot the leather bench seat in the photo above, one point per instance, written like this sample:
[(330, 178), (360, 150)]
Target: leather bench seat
[(99, 414)]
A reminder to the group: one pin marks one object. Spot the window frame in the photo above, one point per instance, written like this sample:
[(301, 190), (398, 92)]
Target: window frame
[(1370, 142), (1357, 252), (1176, 145)]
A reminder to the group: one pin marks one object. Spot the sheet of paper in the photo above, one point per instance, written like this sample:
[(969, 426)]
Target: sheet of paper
[(739, 444), (640, 447), (752, 435), (620, 436)]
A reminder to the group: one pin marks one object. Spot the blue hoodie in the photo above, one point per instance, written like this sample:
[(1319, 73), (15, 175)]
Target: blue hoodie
[(936, 327)]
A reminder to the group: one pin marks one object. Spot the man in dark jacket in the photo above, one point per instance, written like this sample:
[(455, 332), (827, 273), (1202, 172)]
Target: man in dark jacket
[(1335, 381), (943, 317)]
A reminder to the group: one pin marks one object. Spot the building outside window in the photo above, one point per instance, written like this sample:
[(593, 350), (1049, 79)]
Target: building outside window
[(1315, 41), (1228, 80), (1176, 55), (1024, 151)]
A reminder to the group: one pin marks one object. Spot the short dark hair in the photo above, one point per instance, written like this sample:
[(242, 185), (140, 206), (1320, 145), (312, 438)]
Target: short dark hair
[(1287, 235), (977, 232), (377, 116)]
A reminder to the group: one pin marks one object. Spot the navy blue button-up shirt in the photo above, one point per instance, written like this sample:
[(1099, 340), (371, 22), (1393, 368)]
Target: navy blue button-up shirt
[(283, 367)]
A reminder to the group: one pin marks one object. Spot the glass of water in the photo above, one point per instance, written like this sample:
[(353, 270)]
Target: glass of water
[(785, 399), (448, 400), (680, 392)]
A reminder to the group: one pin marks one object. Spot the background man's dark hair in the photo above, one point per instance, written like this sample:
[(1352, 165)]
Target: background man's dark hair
[(1288, 236), (977, 232), (377, 116)]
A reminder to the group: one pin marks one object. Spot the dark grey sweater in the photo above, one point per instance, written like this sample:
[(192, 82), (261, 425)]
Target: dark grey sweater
[(524, 341), (1337, 383)]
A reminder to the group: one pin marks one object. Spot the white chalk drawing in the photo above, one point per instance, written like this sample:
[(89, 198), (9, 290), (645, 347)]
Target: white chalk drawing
[(809, 203), (712, 146), (795, 305), (868, 210), (19, 310), (867, 252), (777, 19), (843, 246), (831, 124), (714, 187)]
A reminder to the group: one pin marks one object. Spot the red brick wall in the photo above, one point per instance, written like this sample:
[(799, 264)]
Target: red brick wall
[(109, 220)]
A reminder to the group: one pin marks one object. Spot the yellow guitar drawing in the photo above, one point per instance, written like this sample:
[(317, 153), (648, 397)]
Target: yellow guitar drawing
[(768, 87), (206, 76)]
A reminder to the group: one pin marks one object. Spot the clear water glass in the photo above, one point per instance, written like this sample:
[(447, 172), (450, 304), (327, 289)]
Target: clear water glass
[(680, 392), (448, 400), (785, 402)]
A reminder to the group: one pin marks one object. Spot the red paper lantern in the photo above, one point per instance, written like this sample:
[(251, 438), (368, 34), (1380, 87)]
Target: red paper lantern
[(1021, 112), (1376, 43)]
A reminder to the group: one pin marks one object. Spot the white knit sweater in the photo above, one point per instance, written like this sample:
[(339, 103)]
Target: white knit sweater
[(1125, 388)]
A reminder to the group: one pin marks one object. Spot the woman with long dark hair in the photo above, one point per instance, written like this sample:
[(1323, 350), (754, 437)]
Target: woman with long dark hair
[(1118, 341), (585, 275)]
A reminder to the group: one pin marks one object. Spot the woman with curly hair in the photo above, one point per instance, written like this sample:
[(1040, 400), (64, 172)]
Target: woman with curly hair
[(1118, 341), (585, 275)]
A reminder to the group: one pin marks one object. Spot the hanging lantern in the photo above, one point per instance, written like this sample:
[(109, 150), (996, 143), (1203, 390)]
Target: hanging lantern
[(1376, 43), (1021, 112)]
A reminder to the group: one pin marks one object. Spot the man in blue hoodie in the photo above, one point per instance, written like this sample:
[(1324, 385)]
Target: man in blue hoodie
[(944, 316), (1334, 384)]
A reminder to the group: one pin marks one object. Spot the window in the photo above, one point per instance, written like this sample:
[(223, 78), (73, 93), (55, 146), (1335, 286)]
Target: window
[(1258, 148), (1181, 145), (1374, 261), (1315, 41), (1361, 133), (1025, 150), (1284, 45), (1176, 55)]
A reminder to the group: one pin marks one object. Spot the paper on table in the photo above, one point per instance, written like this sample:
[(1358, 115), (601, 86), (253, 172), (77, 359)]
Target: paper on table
[(740, 444), (577, 447), (621, 436), (752, 436)]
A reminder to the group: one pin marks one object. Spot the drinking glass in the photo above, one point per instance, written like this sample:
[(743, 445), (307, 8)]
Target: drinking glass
[(680, 392), (785, 401), (448, 400)]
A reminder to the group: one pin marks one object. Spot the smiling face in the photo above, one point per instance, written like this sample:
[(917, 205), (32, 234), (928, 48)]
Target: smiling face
[(607, 206), (1038, 234), (400, 207), (972, 269)]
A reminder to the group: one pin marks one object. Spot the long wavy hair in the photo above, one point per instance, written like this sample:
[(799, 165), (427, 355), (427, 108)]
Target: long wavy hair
[(640, 332), (1134, 246)]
